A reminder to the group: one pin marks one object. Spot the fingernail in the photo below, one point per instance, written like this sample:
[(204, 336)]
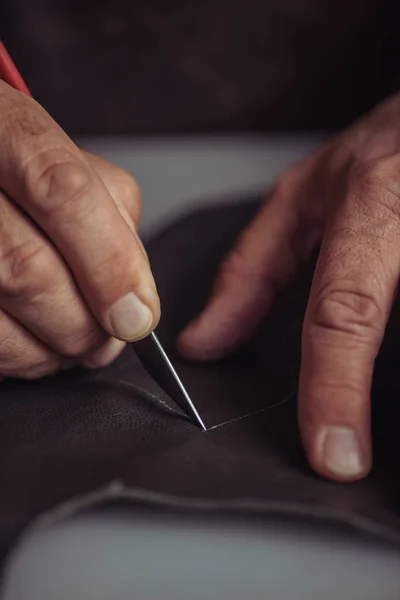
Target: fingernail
[(105, 355), (130, 319), (342, 452)]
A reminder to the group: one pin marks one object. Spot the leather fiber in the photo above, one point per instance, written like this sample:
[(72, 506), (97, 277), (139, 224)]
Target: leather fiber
[(64, 437)]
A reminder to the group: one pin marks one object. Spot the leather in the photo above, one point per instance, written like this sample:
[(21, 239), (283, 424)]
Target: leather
[(65, 437)]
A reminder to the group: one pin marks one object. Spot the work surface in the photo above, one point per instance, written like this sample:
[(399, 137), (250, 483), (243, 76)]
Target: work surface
[(177, 174), (97, 556)]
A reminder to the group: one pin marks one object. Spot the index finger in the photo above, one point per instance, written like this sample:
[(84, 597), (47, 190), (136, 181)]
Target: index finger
[(349, 305), (46, 174)]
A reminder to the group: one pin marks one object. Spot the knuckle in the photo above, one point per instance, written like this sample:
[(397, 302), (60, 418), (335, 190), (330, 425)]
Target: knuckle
[(38, 370), (29, 364), (375, 172), (127, 194), (351, 312), (129, 189), (81, 342), (376, 177), (56, 184), (26, 270), (114, 265), (21, 356), (32, 370)]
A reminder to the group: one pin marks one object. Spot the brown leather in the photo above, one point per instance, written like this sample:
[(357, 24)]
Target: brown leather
[(69, 435)]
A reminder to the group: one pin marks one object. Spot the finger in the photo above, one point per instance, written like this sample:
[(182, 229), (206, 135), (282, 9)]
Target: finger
[(121, 186), (22, 355), (266, 256), (37, 289), (124, 190), (105, 355), (42, 170), (348, 308)]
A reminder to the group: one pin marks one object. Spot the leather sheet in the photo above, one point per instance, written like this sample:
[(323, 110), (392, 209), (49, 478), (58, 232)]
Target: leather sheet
[(67, 436)]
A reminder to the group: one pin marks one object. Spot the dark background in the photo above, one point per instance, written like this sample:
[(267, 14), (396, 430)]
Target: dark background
[(175, 66)]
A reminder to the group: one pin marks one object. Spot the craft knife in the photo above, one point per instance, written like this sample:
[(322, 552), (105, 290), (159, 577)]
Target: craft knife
[(156, 362), (149, 351)]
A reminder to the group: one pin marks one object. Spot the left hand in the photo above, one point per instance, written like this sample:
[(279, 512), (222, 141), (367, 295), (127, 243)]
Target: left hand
[(347, 196)]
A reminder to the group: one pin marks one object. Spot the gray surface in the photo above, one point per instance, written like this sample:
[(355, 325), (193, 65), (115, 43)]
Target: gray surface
[(149, 558), (118, 557), (175, 174)]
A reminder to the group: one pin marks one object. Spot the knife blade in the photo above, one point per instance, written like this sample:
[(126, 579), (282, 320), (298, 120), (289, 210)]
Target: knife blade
[(156, 362)]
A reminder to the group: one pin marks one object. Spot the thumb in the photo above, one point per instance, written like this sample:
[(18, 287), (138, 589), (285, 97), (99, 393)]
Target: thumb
[(263, 260)]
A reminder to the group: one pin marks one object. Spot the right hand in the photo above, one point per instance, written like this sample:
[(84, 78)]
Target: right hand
[(75, 282)]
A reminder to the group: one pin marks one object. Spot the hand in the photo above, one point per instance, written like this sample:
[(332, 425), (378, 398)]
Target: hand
[(75, 282), (346, 196)]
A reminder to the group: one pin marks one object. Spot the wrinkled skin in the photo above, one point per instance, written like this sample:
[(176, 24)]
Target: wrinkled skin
[(69, 251), (75, 283), (346, 197)]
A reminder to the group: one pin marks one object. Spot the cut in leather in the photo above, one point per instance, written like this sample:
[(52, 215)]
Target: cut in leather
[(67, 436)]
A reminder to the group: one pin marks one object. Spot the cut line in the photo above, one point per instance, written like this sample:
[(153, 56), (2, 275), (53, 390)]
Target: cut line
[(256, 412)]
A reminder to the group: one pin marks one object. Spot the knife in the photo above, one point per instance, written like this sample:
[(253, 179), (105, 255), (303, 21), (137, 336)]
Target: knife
[(149, 351), (156, 362)]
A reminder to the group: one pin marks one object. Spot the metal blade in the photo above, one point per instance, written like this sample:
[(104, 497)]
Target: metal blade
[(156, 362)]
